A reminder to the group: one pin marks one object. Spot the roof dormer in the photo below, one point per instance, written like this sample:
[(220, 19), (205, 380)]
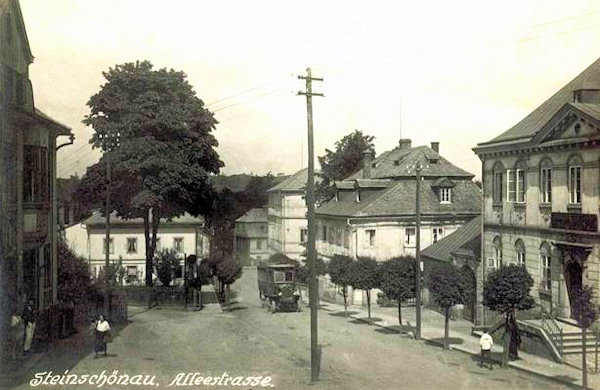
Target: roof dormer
[(587, 92)]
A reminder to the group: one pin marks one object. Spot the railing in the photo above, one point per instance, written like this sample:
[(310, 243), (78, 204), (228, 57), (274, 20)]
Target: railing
[(552, 329)]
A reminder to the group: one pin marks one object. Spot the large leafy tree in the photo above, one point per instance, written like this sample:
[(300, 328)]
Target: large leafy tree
[(506, 290), (342, 162), (447, 288), (339, 269), (398, 280), (585, 313), (158, 136), (364, 275)]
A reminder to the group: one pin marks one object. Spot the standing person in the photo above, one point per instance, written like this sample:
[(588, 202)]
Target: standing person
[(486, 342), (16, 335), (102, 331), (29, 318)]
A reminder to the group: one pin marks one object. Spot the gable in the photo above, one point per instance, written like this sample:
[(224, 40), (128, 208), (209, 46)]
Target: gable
[(15, 45), (574, 121)]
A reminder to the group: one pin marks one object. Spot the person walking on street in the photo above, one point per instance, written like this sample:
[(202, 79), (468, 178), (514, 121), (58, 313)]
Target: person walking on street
[(29, 318), (16, 335), (486, 342), (102, 333)]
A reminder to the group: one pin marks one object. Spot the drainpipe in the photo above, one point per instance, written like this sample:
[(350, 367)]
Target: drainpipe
[(55, 231)]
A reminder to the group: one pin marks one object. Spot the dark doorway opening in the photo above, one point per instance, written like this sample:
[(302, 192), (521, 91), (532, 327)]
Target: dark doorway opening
[(470, 283)]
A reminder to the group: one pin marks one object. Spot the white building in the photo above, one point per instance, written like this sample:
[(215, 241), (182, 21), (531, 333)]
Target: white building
[(127, 243)]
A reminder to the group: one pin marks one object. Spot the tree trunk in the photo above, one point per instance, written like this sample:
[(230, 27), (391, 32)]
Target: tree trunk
[(446, 326), (345, 294), (584, 358), (515, 340), (400, 315), (148, 278), (369, 305), (506, 345), (226, 292)]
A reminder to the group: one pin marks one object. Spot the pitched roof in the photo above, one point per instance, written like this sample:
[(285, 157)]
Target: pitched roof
[(98, 219), (400, 162), (536, 120), (399, 199), (295, 182), (254, 215), (20, 24), (458, 242)]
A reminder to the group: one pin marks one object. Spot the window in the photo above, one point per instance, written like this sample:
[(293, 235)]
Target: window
[(357, 195), (516, 185), (546, 182), (497, 184), (520, 250), (330, 235), (338, 236), (131, 245), (178, 244), (409, 236), (346, 238), (545, 267), (111, 246), (259, 244), (575, 181), (35, 174), (324, 233), (303, 235), (370, 237), (283, 276), (132, 270), (436, 233), (497, 251), (445, 195)]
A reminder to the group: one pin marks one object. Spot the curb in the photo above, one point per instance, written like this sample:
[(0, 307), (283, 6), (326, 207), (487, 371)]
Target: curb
[(464, 350)]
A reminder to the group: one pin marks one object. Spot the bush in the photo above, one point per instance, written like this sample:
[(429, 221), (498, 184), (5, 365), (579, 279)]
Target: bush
[(166, 262)]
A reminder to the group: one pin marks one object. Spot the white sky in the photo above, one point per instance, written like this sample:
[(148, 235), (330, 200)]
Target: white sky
[(457, 72)]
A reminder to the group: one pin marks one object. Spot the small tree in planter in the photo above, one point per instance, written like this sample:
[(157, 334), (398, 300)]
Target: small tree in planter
[(303, 273), (166, 262), (447, 289), (364, 275), (339, 269), (227, 272), (506, 290), (585, 313), (397, 280)]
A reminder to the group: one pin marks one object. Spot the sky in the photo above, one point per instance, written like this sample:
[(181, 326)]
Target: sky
[(457, 72)]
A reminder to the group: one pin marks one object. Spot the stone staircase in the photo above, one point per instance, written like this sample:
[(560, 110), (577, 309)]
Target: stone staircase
[(572, 345)]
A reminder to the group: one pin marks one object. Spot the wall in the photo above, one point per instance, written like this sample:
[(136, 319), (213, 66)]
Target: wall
[(287, 216)]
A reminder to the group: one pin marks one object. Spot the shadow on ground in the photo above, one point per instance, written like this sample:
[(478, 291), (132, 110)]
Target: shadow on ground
[(59, 356), (342, 314)]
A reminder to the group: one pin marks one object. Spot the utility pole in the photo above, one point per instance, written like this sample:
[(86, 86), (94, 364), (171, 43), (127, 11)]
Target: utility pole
[(418, 250), (107, 238), (313, 287)]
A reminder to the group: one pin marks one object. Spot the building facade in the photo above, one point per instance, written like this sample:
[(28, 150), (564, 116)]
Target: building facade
[(250, 237), (287, 223), (28, 142), (127, 242), (541, 181), (374, 211)]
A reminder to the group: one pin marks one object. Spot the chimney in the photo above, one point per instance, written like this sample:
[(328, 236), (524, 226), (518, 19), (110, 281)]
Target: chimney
[(436, 147), (404, 143), (367, 158)]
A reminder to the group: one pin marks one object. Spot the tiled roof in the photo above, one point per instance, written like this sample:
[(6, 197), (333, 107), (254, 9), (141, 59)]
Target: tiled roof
[(459, 242), (401, 162), (98, 219), (399, 200), (254, 215), (296, 182), (535, 121)]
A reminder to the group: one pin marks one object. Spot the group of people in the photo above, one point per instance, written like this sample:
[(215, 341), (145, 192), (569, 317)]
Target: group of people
[(22, 330)]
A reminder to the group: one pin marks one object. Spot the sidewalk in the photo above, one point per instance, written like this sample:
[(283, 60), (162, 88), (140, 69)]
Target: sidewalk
[(461, 339)]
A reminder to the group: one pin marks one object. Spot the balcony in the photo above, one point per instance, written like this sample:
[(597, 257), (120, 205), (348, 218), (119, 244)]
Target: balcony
[(574, 221)]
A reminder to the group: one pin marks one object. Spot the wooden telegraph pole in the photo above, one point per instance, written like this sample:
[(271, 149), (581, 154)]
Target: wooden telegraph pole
[(418, 250), (313, 292)]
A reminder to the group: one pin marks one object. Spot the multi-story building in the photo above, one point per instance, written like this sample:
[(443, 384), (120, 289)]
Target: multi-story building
[(184, 234), (287, 216), (373, 213), (541, 185), (28, 143), (250, 237)]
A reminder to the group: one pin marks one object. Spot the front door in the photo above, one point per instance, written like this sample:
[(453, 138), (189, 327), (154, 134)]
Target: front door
[(573, 274)]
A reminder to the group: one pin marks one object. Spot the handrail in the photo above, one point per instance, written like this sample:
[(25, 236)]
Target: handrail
[(552, 329)]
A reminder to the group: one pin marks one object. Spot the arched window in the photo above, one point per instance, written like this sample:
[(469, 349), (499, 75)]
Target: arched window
[(516, 187), (498, 182), (575, 172), (520, 251), (497, 247), (545, 267), (546, 181)]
